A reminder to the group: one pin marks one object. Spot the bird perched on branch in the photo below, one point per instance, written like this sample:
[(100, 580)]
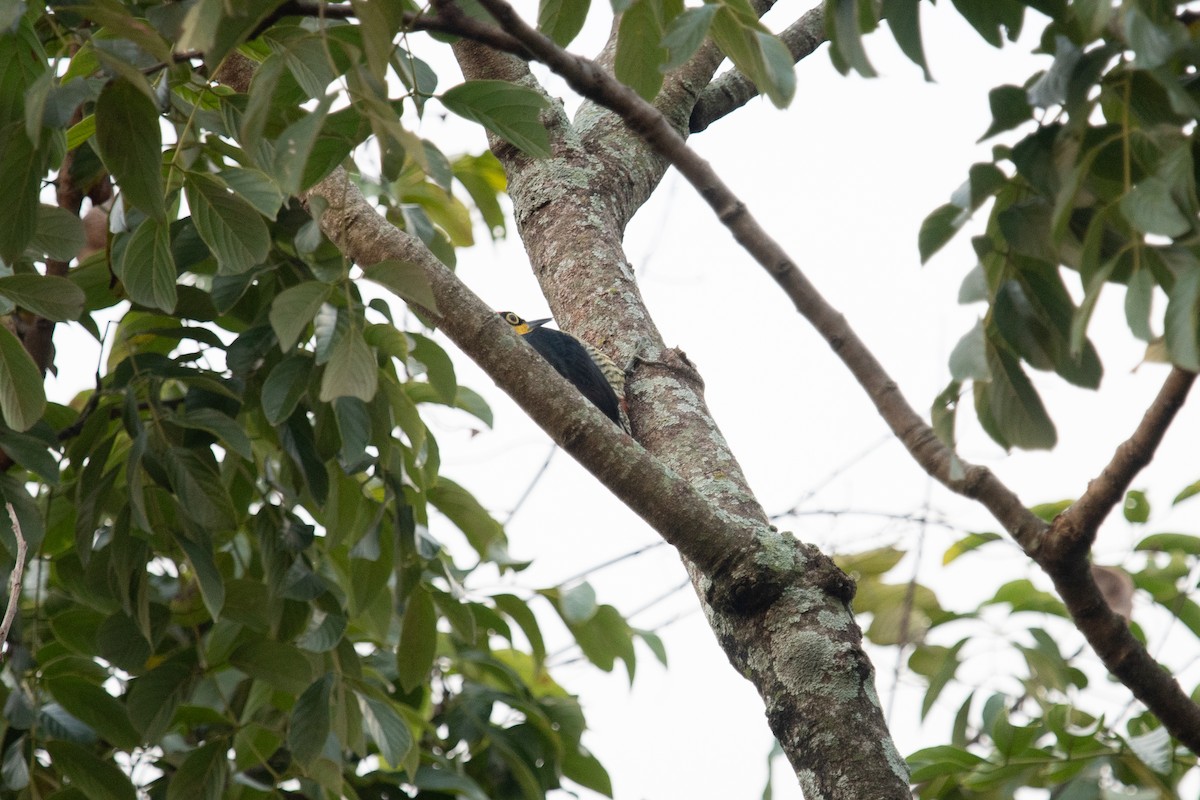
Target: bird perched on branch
[(594, 374)]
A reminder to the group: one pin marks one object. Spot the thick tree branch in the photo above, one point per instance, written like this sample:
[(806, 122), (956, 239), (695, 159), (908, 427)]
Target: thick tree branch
[(1164, 697), (672, 507), (732, 90), (935, 457), (1075, 529)]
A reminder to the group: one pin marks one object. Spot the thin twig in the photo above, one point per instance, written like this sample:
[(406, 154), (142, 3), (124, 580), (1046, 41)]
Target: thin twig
[(14, 580), (1075, 529), (830, 477), (529, 489), (910, 594), (612, 562)]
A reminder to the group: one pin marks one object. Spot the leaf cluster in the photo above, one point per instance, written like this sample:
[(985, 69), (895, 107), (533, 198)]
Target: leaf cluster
[(1099, 190), (242, 570)]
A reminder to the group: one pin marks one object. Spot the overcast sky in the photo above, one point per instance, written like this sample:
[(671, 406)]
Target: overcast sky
[(842, 179)]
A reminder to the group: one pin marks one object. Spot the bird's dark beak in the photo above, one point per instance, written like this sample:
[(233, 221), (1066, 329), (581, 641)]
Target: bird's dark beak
[(537, 323)]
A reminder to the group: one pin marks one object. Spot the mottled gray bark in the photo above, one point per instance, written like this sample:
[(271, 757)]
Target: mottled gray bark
[(785, 622)]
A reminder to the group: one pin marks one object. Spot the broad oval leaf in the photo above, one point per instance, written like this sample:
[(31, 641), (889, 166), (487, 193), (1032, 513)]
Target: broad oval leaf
[(147, 267), (405, 279), (294, 308), (47, 296), (95, 778), (130, 143), (22, 395), (351, 370), (233, 230), (511, 112)]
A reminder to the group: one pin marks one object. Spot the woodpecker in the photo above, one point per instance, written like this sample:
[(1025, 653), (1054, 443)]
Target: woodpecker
[(594, 374)]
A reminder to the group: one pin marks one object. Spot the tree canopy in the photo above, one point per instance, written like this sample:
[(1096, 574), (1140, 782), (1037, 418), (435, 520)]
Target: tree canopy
[(231, 557)]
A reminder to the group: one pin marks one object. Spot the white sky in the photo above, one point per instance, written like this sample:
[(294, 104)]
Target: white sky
[(842, 179)]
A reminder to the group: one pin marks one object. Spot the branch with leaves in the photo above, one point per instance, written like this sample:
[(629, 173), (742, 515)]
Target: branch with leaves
[(1162, 694)]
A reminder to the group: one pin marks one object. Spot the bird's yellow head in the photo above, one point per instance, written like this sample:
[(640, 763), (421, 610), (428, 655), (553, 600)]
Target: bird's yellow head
[(519, 325)]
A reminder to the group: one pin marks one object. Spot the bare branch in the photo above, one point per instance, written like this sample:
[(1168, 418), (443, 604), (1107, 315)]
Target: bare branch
[(733, 89), (718, 545), (1105, 631), (14, 580), (931, 453), (1075, 529)]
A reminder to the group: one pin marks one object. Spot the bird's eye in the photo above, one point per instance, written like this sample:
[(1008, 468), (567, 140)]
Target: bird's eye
[(512, 318)]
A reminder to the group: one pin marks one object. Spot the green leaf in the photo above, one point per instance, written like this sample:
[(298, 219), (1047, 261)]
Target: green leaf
[(518, 610), (295, 144), (232, 229), (59, 233), (1150, 208), (1009, 407), (96, 708), (438, 367), (405, 279), (578, 604), (1154, 749), (285, 385), (22, 396), (354, 426), (32, 453), (294, 308), (933, 762), (418, 641), (199, 490), (1137, 507), (47, 296), (130, 144), (147, 267), (1046, 512), (938, 228), (310, 722), (968, 359), (606, 636), (938, 664), (507, 110), (841, 21), (153, 698), (386, 728), (202, 775), (281, 665), (225, 428), (1153, 43), (640, 52), (21, 166), (1010, 107), (756, 51), (971, 541), (586, 770), (208, 576), (1139, 299), (1182, 320), (562, 20), (904, 19), (352, 370), (1189, 491), (466, 512), (686, 33), (255, 187), (95, 778), (1171, 542), (991, 17)]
